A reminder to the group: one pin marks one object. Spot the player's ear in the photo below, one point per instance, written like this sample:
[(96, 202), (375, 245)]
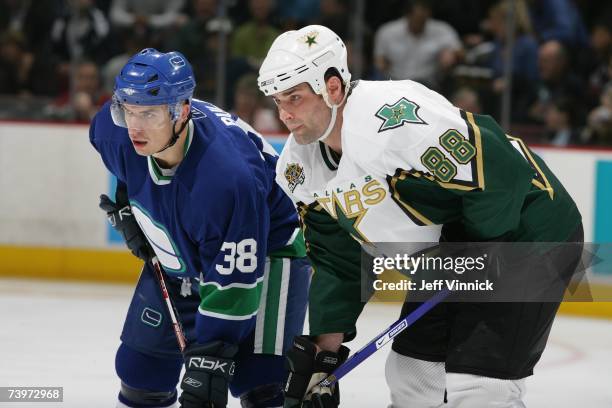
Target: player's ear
[(334, 89), (185, 111)]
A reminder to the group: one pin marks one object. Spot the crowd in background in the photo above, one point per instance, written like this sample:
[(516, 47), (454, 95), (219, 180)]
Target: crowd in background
[(58, 58)]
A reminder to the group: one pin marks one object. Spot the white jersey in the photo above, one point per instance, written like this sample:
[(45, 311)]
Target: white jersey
[(389, 128)]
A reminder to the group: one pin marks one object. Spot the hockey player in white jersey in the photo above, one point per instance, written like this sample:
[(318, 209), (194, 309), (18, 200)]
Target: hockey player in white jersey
[(393, 161)]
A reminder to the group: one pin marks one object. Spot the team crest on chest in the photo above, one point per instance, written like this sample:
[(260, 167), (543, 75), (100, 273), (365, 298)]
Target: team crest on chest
[(395, 115), (294, 173)]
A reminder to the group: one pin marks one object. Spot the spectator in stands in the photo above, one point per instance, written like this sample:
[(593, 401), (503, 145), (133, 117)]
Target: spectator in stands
[(249, 105), (524, 56), (465, 16), (197, 40), (87, 96), (23, 72), (132, 42), (147, 15), (191, 38), (81, 32), (252, 39), (416, 47), (15, 64), (561, 126), (557, 81), (335, 16), (599, 124), (33, 19), (467, 99), (558, 20), (293, 14), (597, 64)]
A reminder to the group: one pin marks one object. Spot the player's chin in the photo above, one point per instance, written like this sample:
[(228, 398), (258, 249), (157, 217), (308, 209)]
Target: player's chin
[(303, 138)]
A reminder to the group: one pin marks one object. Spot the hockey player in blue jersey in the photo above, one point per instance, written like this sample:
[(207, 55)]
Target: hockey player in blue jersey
[(195, 187)]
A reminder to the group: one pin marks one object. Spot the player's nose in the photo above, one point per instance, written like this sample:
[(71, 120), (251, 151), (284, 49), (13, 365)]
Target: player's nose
[(284, 114)]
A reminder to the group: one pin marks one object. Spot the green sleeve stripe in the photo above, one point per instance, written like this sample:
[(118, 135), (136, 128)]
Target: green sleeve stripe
[(296, 248), (237, 302), (416, 217), (272, 303)]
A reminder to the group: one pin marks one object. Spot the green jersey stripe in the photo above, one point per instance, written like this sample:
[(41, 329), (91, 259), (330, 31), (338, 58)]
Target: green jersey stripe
[(272, 303), (282, 306), (261, 315), (234, 301)]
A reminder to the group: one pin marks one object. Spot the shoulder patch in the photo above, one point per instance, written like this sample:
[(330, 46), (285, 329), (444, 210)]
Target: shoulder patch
[(294, 174), (395, 115)]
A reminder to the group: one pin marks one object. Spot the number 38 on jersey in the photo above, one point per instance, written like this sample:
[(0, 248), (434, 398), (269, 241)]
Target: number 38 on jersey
[(238, 255)]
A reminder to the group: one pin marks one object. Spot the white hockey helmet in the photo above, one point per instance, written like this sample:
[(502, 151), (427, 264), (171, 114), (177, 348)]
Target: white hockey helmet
[(303, 56)]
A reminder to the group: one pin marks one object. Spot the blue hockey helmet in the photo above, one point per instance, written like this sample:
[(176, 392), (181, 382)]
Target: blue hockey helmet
[(153, 78)]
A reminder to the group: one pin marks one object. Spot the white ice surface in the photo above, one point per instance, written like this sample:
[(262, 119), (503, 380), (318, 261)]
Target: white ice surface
[(60, 334)]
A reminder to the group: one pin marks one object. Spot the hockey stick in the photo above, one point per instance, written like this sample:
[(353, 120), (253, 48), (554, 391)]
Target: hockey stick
[(178, 330), (382, 339)]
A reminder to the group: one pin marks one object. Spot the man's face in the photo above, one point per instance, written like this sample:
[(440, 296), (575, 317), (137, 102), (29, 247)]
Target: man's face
[(303, 112), (418, 18), (149, 127), (551, 62), (87, 79)]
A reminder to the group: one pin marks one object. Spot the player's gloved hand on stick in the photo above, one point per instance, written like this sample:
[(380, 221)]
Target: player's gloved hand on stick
[(306, 369), (120, 216), (209, 368)]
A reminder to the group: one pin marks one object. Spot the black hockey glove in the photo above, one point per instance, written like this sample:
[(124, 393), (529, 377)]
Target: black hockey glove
[(306, 369), (209, 368), (120, 216)]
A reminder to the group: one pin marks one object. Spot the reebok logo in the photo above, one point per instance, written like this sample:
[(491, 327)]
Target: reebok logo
[(192, 382), (330, 360), (212, 365), (125, 212)]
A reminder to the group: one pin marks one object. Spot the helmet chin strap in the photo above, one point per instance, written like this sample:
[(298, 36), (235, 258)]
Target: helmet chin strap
[(334, 111), (175, 135)]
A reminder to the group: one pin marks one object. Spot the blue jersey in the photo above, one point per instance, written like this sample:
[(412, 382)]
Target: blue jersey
[(215, 217)]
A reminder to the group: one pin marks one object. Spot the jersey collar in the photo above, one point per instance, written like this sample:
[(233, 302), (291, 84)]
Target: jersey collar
[(330, 157)]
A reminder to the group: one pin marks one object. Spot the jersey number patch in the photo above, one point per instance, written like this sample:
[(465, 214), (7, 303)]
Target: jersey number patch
[(241, 256), (459, 148)]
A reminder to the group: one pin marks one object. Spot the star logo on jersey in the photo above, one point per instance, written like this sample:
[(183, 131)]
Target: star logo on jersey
[(402, 111), (294, 173), (349, 221), (310, 39)]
